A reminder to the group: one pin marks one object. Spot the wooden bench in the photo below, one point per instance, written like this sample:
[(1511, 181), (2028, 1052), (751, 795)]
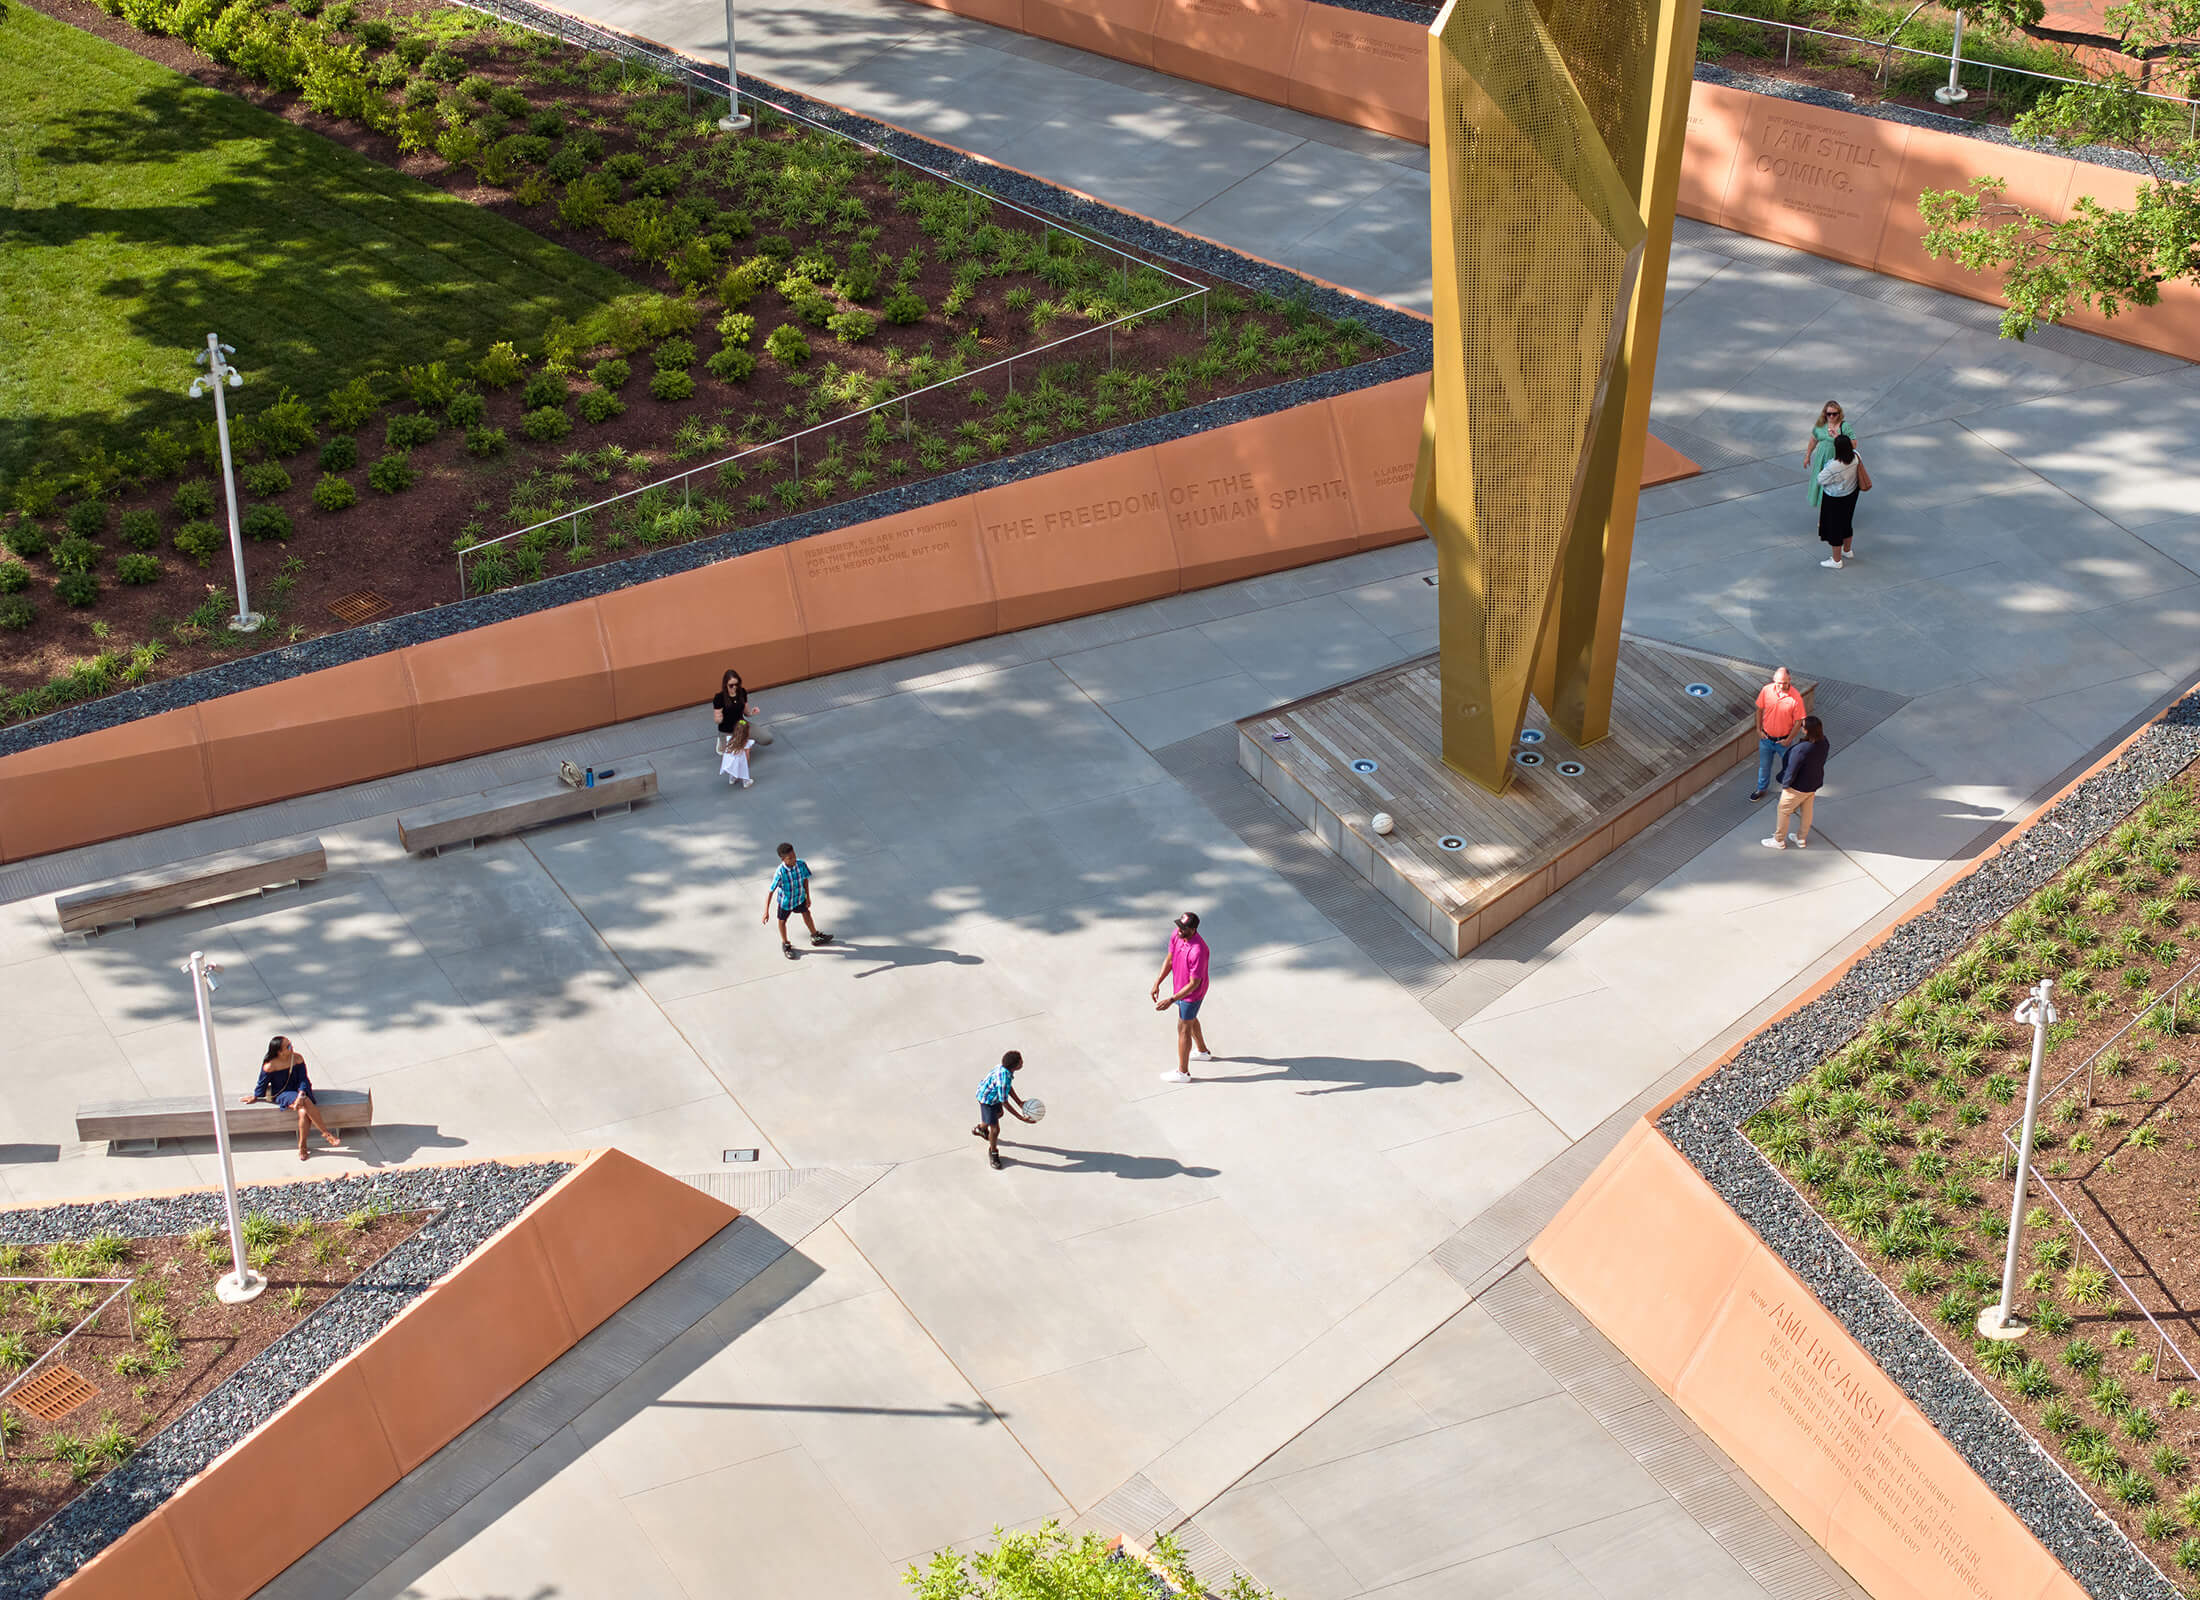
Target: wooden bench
[(521, 805), (252, 870), (191, 1117)]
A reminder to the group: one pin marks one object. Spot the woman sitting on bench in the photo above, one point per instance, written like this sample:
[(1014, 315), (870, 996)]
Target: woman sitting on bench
[(283, 1080)]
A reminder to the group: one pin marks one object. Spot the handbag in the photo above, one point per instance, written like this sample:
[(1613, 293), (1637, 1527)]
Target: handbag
[(725, 743), (569, 774), (1863, 476)]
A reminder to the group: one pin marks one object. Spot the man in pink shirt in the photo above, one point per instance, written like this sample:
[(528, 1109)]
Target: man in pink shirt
[(1779, 708), (1185, 971)]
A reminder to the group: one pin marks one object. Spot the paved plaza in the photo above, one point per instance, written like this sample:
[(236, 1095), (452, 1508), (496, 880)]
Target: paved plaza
[(1241, 1301)]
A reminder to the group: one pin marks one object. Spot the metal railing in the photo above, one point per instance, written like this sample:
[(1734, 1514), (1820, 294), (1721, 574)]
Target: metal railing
[(1886, 48), (122, 1292), (2164, 1344), (587, 36)]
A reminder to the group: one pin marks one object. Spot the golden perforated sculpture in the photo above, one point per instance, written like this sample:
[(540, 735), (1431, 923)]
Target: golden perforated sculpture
[(1555, 134)]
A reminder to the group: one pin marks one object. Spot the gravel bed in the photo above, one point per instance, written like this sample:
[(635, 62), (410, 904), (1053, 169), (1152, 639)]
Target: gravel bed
[(1412, 334), (470, 1202), (1706, 1127)]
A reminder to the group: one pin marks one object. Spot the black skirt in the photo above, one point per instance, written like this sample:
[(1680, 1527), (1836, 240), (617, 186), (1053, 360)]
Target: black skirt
[(1836, 517)]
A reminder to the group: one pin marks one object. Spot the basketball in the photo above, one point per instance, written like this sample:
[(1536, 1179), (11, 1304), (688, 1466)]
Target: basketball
[(1035, 1109), (1381, 822)]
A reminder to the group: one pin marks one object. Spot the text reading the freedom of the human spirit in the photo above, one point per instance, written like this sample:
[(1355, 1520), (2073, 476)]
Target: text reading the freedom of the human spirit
[(1238, 497), (1839, 1404)]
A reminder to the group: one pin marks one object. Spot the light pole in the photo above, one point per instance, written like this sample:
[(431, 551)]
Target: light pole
[(2000, 1320), (242, 1284), (219, 374), (1953, 93), (732, 121)]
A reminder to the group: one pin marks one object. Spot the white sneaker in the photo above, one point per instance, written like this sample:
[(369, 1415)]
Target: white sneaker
[(1774, 844), (748, 783), (1176, 1077), (1830, 562), (1204, 1055)]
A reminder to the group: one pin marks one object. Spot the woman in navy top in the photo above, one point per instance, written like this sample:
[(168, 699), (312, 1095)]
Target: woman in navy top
[(283, 1080), (1802, 774)]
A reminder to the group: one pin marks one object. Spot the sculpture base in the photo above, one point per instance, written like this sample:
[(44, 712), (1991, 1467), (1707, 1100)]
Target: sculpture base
[(1461, 861)]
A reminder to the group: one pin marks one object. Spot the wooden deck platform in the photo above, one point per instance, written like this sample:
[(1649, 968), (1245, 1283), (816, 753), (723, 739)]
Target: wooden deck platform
[(1463, 862)]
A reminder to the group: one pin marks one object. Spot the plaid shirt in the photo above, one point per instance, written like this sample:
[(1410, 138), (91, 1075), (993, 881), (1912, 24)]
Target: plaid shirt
[(994, 1091), (792, 884)]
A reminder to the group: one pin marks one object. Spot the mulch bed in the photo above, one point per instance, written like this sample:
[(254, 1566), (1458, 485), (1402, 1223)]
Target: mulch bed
[(187, 1344), (1900, 1141)]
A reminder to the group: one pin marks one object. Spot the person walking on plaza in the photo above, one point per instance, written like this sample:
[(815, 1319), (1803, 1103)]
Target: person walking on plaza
[(995, 1095), (283, 1080), (1779, 708), (790, 895), (1831, 425), (1801, 775), (1841, 479), (1184, 969)]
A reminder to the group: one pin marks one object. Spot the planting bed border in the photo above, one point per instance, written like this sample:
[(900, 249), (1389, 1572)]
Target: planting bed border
[(1704, 1124), (1412, 334)]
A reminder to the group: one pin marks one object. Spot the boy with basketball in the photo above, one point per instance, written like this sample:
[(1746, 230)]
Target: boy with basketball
[(998, 1094)]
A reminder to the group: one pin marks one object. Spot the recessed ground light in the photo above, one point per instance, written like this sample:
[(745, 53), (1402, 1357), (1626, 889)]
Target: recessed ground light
[(1363, 765), (1531, 735), (738, 1155), (1451, 841), (1698, 691), (1431, 582), (1528, 758), (1571, 769)]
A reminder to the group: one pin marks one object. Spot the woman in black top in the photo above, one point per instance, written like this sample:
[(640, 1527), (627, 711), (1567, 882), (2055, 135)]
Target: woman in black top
[(1802, 772), (731, 702), (283, 1080)]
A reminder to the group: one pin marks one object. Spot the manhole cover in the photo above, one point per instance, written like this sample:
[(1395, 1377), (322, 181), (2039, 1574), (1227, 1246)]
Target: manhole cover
[(1363, 765), (54, 1393), (1531, 735), (1698, 691), (1570, 769), (361, 605), (1529, 758), (1451, 841)]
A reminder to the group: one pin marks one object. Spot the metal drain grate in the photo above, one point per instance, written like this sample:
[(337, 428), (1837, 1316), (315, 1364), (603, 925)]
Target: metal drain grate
[(54, 1393), (361, 605)]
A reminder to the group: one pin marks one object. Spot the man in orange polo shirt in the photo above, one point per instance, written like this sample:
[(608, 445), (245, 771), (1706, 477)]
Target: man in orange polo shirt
[(1779, 708)]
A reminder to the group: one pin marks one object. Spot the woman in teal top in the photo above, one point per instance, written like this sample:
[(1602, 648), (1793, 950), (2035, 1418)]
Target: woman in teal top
[(1819, 451)]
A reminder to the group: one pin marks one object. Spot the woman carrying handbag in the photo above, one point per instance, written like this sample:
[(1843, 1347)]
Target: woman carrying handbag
[(736, 738), (1839, 482)]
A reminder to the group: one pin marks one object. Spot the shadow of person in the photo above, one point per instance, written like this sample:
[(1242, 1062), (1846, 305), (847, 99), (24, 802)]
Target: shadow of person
[(1114, 1163), (1342, 1074), (401, 1141), (892, 957)]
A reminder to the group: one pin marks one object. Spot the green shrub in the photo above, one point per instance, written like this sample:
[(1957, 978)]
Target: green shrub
[(736, 327), (349, 405), (740, 284), (513, 102), (77, 589), (853, 327), (672, 385), (140, 529), (858, 280), (903, 308), (485, 442), (443, 66), (431, 386), (87, 519), (16, 611), (266, 522), (340, 453), (266, 479), (601, 405), (14, 577), (194, 497), (407, 429), (545, 388), (413, 48), (161, 453), (500, 366), (674, 353), (786, 345), (466, 410), (610, 374), (199, 540), (334, 494), (545, 423), (138, 567), (286, 427), (374, 35), (627, 164), (76, 555), (28, 540), (476, 86), (393, 474), (657, 182), (732, 364)]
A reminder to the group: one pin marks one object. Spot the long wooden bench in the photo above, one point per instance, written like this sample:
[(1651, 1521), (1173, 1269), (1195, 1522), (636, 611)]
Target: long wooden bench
[(521, 805), (221, 876), (191, 1117)]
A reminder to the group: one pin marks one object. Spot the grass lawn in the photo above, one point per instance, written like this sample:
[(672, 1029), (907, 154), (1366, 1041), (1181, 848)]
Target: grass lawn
[(139, 212)]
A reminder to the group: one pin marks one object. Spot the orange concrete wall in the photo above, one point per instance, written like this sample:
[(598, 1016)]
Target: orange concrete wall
[(601, 1235), (1657, 1260), (1298, 486)]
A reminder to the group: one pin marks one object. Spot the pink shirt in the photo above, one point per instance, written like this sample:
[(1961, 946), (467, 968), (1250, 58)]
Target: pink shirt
[(1187, 966)]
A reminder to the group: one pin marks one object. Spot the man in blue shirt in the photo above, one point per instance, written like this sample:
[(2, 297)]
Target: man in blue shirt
[(790, 894), (996, 1094)]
